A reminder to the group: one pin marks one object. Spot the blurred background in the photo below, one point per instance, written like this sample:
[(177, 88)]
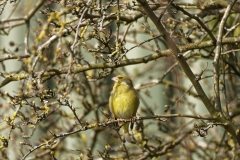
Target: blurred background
[(57, 59)]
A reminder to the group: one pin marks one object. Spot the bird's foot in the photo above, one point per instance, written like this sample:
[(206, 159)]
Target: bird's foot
[(132, 120)]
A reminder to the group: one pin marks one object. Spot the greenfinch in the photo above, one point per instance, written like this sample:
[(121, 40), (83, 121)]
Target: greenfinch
[(123, 102)]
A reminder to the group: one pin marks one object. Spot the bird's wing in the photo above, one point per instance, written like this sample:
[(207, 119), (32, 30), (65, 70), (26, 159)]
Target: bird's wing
[(111, 105), (137, 102)]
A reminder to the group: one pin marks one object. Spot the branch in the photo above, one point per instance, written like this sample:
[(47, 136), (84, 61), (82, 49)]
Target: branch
[(182, 61), (217, 55), (229, 126), (77, 69), (164, 148), (52, 141), (14, 56), (197, 19)]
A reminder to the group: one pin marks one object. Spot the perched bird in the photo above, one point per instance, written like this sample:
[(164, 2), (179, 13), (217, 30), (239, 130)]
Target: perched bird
[(123, 102)]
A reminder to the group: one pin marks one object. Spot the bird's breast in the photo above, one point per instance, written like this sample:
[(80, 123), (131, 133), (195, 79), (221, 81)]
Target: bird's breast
[(125, 104)]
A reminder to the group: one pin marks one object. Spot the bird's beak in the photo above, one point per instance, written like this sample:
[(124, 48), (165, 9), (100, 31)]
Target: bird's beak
[(115, 79)]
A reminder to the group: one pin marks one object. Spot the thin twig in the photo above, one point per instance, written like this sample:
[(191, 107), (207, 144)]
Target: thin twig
[(197, 19), (217, 56), (78, 26)]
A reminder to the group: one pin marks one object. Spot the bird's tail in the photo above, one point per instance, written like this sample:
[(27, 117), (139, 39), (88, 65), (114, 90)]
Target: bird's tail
[(126, 135)]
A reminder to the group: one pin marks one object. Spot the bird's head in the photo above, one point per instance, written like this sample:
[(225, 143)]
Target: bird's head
[(122, 80)]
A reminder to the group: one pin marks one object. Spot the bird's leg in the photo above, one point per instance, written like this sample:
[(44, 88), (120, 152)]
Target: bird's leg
[(118, 123), (132, 122), (118, 120)]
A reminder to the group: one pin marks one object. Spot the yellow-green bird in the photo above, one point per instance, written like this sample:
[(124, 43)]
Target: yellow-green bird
[(124, 101)]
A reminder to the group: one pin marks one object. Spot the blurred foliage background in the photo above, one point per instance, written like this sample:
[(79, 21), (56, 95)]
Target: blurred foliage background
[(57, 59)]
